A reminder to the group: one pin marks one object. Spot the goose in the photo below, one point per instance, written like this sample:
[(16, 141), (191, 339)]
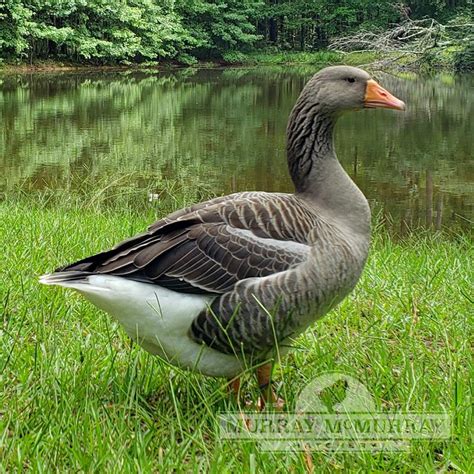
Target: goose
[(224, 286)]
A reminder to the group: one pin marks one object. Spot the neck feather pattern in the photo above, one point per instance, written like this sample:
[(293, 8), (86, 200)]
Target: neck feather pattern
[(309, 141), (316, 173)]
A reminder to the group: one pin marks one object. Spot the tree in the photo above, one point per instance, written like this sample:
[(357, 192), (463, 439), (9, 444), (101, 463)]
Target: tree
[(219, 27)]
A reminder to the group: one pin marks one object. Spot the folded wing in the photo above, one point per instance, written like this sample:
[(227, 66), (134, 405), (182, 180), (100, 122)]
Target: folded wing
[(209, 247)]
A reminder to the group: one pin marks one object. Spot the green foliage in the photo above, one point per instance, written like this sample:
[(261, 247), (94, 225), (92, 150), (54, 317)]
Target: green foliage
[(129, 30), (442, 10), (218, 27), (234, 57), (90, 30), (308, 24), (464, 59), (462, 36), (98, 31), (295, 57)]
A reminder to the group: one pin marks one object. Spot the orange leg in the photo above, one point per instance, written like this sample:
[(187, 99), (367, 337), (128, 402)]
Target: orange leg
[(234, 387), (264, 379), (268, 396)]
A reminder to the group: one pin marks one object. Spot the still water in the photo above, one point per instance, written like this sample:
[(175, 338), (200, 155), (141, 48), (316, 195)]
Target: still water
[(225, 129)]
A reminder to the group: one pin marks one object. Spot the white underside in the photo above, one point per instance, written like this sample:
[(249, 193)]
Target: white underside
[(156, 318)]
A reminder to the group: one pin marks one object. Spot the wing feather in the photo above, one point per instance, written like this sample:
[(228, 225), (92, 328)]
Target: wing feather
[(211, 246)]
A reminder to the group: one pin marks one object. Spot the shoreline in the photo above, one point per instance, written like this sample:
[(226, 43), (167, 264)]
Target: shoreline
[(362, 59)]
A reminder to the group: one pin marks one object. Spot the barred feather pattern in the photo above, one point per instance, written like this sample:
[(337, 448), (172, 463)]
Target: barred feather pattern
[(261, 314), (309, 136)]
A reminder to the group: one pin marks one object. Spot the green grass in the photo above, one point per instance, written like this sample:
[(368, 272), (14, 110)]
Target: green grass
[(294, 57), (306, 57), (76, 395)]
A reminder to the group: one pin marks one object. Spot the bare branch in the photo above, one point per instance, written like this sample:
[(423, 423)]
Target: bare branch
[(414, 38)]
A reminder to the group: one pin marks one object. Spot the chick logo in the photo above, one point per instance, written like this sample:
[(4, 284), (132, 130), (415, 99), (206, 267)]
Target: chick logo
[(335, 392)]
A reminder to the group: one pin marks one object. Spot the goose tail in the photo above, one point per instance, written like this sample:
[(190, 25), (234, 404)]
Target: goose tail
[(68, 279)]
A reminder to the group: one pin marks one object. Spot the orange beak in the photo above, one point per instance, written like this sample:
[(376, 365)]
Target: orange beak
[(377, 96)]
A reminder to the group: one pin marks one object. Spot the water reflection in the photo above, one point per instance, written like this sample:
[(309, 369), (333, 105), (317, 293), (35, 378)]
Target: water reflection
[(226, 128)]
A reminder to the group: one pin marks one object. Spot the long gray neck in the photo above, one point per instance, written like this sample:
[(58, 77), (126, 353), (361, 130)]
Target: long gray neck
[(317, 174)]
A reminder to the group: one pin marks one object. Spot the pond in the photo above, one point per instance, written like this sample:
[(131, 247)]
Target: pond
[(224, 130)]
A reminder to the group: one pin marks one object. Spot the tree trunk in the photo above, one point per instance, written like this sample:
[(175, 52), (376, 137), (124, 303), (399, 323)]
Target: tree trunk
[(273, 30), (273, 25)]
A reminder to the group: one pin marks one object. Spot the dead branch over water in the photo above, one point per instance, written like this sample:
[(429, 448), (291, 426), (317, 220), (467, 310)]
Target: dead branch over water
[(407, 44)]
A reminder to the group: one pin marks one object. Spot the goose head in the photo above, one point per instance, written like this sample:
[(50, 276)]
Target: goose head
[(329, 93), (338, 89)]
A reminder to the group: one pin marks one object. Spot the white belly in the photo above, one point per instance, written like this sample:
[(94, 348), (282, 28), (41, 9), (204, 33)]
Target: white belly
[(159, 320)]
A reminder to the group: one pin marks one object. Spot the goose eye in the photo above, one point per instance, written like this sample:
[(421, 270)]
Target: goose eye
[(350, 79)]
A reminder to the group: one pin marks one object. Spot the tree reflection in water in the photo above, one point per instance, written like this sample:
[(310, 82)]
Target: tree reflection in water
[(224, 130)]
